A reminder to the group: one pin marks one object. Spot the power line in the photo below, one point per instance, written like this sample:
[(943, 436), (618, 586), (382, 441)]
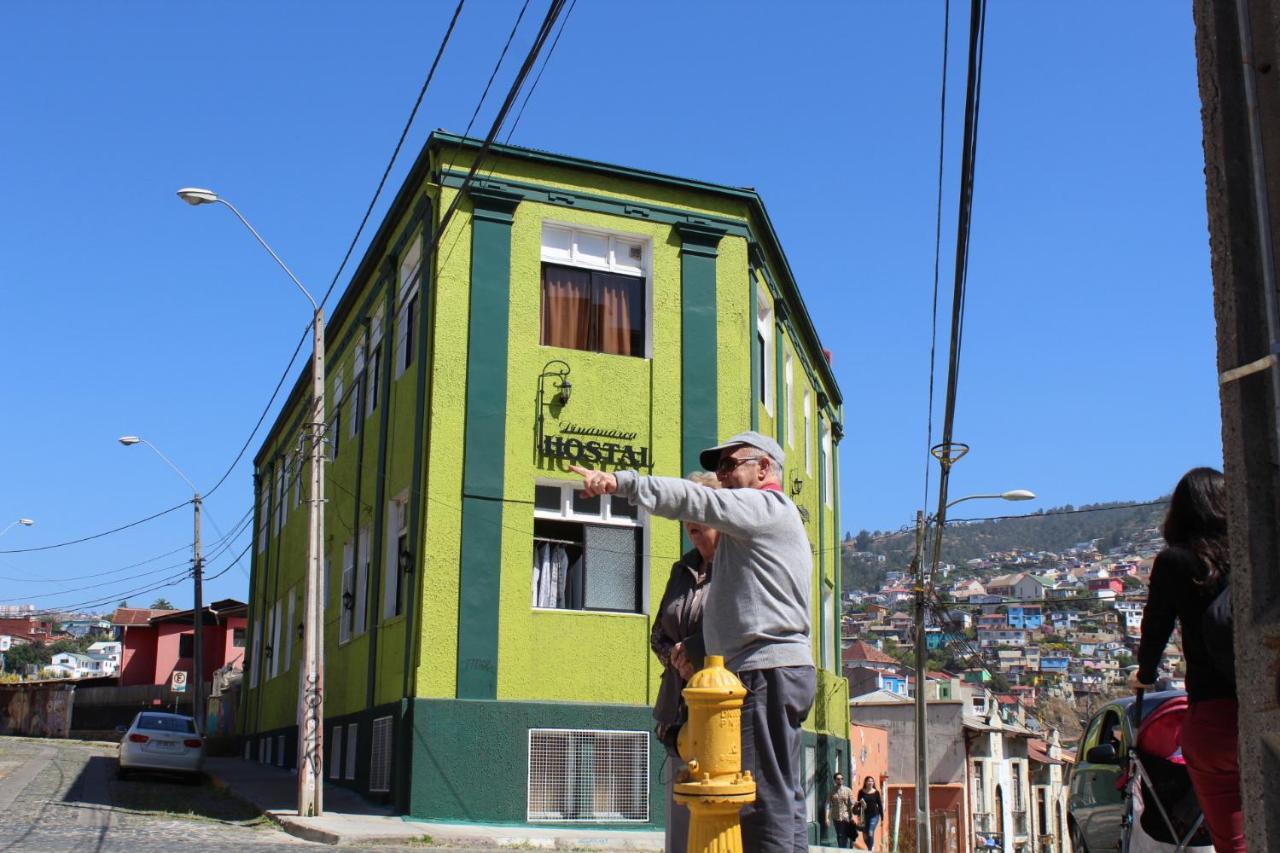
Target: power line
[(937, 235), (346, 257), (545, 61), (97, 535)]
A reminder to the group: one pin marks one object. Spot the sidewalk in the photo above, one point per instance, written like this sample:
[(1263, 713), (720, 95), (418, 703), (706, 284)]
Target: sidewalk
[(350, 820)]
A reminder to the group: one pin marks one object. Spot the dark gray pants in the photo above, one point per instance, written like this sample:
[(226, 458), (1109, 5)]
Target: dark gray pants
[(778, 700)]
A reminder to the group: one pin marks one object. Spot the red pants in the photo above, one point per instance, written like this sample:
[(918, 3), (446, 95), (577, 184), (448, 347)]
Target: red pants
[(1209, 734)]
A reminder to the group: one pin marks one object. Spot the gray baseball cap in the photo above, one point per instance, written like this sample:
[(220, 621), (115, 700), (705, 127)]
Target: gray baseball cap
[(710, 457)]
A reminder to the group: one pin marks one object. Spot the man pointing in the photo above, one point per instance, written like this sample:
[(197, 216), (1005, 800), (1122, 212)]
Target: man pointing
[(756, 615)]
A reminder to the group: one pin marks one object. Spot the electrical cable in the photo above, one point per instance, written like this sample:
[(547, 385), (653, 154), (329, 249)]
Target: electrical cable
[(545, 60), (937, 236), (97, 535), (346, 257)]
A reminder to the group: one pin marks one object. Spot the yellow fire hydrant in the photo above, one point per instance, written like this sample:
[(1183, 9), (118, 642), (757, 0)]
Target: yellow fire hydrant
[(713, 784)]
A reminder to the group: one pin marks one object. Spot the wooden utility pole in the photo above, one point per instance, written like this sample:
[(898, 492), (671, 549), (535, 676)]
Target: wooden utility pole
[(1236, 47)]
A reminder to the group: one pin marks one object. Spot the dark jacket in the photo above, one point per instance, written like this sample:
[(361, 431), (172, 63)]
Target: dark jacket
[(679, 619), (1174, 594), (872, 805)]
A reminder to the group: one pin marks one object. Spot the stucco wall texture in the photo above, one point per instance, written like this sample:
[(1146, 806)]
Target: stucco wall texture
[(564, 658)]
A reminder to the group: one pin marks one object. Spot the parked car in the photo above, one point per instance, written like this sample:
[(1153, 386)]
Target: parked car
[(1096, 807), (162, 742)]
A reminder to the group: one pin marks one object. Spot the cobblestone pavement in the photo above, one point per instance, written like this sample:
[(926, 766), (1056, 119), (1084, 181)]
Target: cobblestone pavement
[(58, 796)]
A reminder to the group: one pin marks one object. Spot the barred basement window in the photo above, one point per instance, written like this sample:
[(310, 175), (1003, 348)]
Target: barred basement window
[(588, 776), (335, 753), (353, 738), (380, 756)]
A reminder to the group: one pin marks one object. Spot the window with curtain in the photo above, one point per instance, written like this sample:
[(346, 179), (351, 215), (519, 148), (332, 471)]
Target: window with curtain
[(593, 291), (592, 310)]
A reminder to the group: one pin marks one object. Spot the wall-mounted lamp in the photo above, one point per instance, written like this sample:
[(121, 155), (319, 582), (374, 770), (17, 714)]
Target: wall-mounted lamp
[(565, 387), (559, 370), (797, 486)]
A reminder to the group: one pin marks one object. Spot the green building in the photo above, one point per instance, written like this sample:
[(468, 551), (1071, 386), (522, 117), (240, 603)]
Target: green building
[(571, 310)]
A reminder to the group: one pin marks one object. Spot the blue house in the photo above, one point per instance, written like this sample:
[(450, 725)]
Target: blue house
[(1028, 617)]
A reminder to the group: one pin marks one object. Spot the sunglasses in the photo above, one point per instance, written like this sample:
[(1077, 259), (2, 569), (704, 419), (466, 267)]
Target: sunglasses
[(728, 465)]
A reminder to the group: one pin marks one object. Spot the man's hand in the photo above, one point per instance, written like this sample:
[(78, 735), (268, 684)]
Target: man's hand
[(1136, 685), (595, 483)]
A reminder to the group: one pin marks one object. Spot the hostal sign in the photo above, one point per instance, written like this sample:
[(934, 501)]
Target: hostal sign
[(589, 445)]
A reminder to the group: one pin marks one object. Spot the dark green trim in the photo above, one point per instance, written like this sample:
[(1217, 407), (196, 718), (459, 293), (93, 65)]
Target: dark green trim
[(839, 556), (830, 754), (380, 484), (628, 208), (255, 576), (699, 427), (757, 352), (823, 639), (485, 439), (780, 412), (421, 404), (471, 758)]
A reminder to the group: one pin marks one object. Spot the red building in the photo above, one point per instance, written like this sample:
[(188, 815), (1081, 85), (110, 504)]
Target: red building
[(156, 643)]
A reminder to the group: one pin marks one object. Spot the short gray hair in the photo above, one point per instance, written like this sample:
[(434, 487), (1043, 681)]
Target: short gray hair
[(704, 478)]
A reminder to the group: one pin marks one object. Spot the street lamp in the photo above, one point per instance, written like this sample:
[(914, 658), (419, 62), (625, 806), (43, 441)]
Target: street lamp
[(197, 577), (25, 522), (923, 829), (311, 674)]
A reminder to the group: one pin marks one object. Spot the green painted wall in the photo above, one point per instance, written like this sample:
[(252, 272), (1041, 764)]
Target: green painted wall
[(471, 758)]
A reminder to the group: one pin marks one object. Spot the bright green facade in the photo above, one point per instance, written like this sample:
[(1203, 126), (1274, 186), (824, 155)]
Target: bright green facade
[(454, 432)]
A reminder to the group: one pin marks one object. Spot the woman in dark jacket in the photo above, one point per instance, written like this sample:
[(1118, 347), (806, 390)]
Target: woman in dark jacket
[(676, 639), (1186, 578)]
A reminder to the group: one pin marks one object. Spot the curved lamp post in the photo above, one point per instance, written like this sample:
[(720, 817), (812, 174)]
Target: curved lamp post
[(25, 522), (311, 676), (197, 577), (922, 658)]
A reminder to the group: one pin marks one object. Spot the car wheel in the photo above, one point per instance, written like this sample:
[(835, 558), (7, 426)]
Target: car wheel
[(122, 772), (196, 778)]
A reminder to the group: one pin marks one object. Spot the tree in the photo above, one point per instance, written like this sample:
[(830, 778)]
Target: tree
[(863, 542), (162, 603)]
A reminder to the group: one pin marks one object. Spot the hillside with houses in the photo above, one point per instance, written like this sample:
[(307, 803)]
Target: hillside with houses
[(1050, 632)]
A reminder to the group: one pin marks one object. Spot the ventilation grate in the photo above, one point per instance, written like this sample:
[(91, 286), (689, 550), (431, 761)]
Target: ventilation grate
[(587, 776), (380, 756)]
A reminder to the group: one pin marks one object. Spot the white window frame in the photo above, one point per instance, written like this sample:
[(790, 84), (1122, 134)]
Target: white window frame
[(374, 391), (828, 464), (277, 491), (788, 397), (345, 621), (286, 486), (392, 577), (357, 389), (275, 640), (808, 433), (615, 241), (768, 351), (335, 407), (811, 783), (335, 753), (353, 744), (605, 517), (410, 278)]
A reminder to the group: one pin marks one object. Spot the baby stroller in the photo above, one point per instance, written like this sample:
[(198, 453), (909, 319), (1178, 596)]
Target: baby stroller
[(1161, 811)]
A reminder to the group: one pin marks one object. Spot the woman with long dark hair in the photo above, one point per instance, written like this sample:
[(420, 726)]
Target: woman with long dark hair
[(1187, 577)]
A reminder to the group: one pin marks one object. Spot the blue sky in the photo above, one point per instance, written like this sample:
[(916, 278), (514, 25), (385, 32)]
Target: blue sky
[(1088, 370)]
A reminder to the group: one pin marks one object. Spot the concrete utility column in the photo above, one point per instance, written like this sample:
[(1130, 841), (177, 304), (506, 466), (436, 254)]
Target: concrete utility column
[(713, 785)]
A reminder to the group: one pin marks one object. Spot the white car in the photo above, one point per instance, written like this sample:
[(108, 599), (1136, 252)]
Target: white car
[(162, 742)]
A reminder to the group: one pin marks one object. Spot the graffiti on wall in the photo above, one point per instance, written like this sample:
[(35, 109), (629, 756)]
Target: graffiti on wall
[(36, 710)]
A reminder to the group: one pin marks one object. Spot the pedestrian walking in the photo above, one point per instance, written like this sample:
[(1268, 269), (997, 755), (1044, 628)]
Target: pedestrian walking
[(1189, 585), (840, 811), (676, 640), (872, 808), (757, 613)]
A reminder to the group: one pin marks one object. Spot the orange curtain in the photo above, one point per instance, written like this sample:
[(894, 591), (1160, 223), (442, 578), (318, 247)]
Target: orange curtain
[(566, 307), (619, 316)]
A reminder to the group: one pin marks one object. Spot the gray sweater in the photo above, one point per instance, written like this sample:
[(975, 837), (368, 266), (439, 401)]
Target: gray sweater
[(757, 611)]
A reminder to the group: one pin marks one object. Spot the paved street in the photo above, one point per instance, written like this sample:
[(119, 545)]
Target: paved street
[(61, 796)]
